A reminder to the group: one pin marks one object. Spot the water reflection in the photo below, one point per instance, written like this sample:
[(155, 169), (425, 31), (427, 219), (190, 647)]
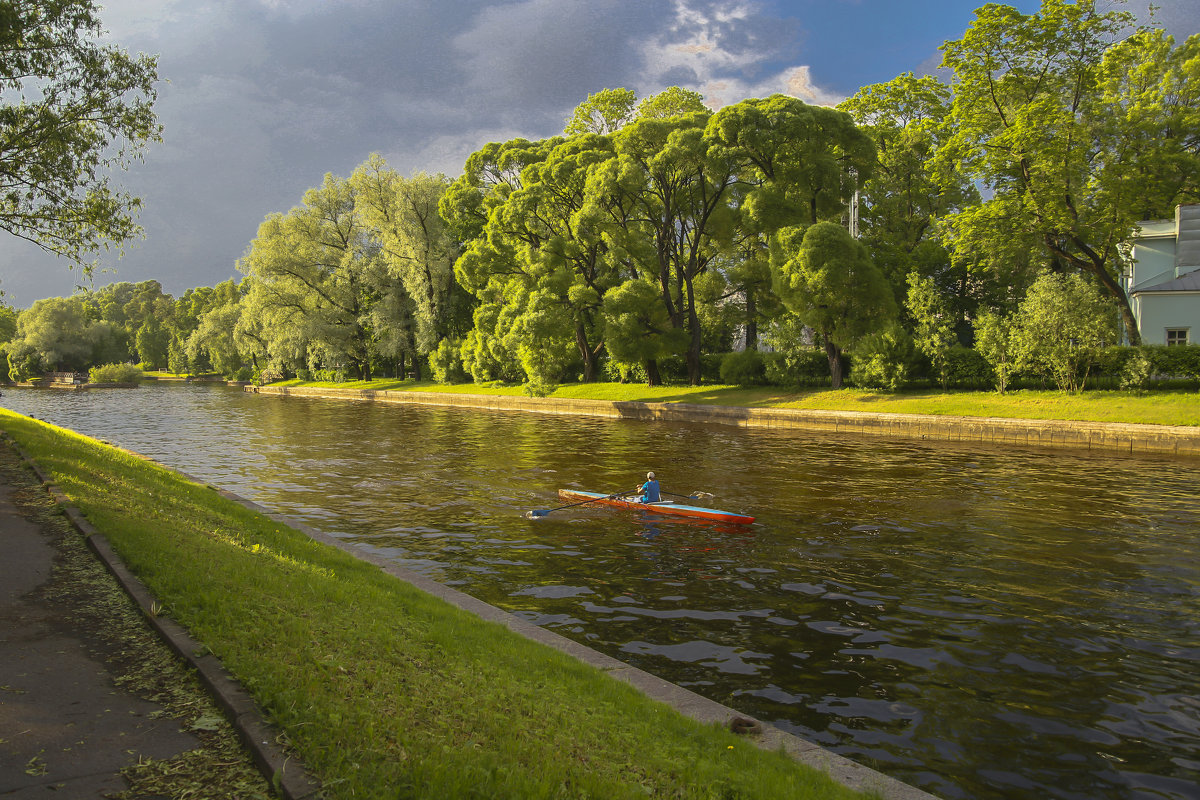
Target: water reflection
[(983, 624)]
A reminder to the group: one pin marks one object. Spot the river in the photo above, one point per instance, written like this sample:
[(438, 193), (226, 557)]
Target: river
[(981, 623)]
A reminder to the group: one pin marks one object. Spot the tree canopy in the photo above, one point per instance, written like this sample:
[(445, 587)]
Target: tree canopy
[(72, 110)]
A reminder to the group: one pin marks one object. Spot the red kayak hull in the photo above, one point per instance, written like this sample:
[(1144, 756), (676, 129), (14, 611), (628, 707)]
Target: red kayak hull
[(667, 508)]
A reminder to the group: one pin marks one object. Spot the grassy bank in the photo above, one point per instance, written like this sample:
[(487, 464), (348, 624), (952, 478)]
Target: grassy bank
[(1156, 408), (385, 691)]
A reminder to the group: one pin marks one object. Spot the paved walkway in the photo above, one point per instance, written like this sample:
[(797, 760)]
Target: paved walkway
[(66, 728)]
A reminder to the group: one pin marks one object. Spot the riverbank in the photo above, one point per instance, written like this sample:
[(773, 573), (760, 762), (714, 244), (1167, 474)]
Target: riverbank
[(1099, 436), (380, 687)]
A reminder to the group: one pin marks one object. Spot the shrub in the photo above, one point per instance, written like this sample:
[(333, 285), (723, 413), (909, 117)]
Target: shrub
[(445, 363), (115, 373), (883, 359), (799, 367), (743, 369), (1137, 371), (966, 368)]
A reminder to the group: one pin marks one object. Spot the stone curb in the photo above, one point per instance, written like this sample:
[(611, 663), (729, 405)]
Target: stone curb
[(1104, 437), (285, 773), (289, 775)]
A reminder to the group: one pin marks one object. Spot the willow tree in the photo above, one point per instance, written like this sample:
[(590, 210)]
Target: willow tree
[(663, 206), (416, 245), (317, 276), (1076, 128), (827, 278)]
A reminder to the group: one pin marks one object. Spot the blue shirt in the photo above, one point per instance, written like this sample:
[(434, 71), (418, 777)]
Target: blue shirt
[(650, 492)]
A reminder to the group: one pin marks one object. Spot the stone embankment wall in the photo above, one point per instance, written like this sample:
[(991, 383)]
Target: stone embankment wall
[(1108, 437)]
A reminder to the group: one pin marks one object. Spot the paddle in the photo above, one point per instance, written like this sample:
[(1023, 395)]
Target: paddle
[(541, 512)]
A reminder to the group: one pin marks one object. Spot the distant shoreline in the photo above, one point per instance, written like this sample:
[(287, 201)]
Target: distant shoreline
[(1099, 437)]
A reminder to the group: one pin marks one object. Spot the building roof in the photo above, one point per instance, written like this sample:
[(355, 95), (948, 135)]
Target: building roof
[(1189, 282)]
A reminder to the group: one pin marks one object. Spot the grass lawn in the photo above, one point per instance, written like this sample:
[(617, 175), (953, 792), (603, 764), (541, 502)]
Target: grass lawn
[(1156, 408), (382, 690)]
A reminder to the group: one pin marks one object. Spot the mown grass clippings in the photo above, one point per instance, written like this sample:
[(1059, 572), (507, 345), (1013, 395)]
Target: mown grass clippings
[(1155, 408), (219, 768), (382, 690)]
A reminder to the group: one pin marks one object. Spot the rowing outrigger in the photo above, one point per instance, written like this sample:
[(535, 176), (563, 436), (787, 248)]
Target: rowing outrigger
[(667, 507)]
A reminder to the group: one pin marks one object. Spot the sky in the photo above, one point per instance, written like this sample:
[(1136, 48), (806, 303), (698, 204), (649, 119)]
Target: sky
[(259, 99)]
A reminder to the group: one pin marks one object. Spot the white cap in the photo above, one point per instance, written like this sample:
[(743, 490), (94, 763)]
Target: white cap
[(650, 475)]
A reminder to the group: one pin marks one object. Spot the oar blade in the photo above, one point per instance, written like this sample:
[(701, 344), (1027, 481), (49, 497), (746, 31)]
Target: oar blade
[(537, 513)]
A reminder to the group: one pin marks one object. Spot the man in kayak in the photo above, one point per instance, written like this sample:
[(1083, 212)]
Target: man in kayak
[(649, 489)]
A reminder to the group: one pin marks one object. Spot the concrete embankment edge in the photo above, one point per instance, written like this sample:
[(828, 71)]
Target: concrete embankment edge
[(1101, 437)]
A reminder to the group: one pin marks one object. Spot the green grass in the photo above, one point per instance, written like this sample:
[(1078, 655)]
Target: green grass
[(382, 690), (1156, 408)]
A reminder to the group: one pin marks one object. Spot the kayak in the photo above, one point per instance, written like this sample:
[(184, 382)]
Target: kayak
[(669, 507)]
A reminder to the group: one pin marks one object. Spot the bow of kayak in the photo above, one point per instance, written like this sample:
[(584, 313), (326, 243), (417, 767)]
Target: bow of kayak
[(666, 507)]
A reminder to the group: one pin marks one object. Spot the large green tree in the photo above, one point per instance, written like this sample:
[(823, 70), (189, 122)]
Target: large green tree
[(58, 333), (318, 275), (827, 278), (1076, 128), (418, 246), (72, 110)]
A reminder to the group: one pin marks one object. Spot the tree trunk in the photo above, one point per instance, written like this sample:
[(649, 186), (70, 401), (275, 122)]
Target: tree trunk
[(652, 376), (751, 322), (588, 354), (834, 353), (694, 341)]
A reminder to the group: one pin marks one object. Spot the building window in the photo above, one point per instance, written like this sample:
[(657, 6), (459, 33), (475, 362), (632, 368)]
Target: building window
[(1177, 335)]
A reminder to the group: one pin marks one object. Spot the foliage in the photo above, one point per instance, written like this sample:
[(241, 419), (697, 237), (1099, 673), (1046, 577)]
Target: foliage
[(72, 110), (1076, 128), (604, 112), (966, 368), (416, 243), (745, 368), (995, 341), (320, 283), (883, 359), (903, 200), (445, 363), (56, 334), (638, 328), (115, 373), (827, 279), (1137, 371), (1062, 327), (934, 326)]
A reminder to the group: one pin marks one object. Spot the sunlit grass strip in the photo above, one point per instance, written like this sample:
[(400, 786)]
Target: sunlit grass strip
[(385, 691), (1155, 408)]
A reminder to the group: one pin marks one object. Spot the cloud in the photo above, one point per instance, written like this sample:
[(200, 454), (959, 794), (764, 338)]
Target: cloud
[(723, 47)]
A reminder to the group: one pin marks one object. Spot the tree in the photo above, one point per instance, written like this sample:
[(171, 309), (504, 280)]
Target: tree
[(417, 245), (995, 340), (71, 111), (152, 341), (57, 334), (638, 329), (317, 276), (903, 200), (606, 111), (663, 206), (1076, 129), (825, 277), (934, 324), (1062, 328), (213, 341)]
